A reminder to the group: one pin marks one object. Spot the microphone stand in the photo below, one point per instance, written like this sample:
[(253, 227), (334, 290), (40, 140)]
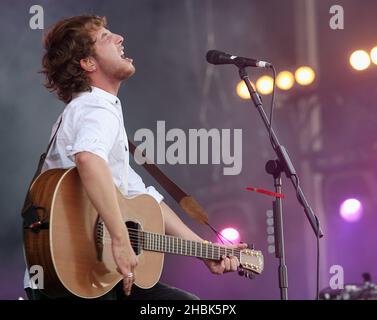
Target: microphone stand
[(275, 168)]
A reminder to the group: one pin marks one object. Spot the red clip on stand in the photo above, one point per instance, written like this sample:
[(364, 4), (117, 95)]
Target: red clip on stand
[(266, 192)]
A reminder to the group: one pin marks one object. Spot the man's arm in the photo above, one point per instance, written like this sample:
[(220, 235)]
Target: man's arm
[(175, 227), (98, 183)]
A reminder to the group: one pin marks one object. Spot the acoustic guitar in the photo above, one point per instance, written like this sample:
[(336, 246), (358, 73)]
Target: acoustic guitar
[(73, 245)]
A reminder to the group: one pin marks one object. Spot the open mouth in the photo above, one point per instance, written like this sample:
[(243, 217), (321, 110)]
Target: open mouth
[(123, 56)]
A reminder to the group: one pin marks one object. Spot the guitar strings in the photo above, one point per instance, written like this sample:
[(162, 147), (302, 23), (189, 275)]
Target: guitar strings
[(137, 239), (135, 234), (175, 249)]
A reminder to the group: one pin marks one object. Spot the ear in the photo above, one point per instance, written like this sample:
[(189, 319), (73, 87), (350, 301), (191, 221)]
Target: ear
[(88, 64)]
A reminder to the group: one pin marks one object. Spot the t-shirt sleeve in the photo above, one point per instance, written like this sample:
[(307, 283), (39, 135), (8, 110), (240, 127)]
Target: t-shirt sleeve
[(137, 186), (96, 130)]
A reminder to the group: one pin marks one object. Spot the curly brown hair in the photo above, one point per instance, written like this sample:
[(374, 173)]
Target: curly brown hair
[(66, 43)]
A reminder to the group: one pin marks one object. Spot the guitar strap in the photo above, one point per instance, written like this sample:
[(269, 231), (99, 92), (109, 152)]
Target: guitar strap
[(188, 204), (29, 212)]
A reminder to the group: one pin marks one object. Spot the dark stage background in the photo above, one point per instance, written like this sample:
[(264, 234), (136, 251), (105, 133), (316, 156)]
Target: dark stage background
[(329, 127)]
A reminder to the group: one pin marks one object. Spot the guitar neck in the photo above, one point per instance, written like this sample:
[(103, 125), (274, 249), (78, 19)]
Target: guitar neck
[(170, 244)]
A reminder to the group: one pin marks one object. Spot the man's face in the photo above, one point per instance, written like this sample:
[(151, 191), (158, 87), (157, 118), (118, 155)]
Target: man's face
[(110, 57)]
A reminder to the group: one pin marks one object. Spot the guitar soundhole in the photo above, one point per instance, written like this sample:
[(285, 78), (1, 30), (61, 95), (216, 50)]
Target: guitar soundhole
[(134, 229)]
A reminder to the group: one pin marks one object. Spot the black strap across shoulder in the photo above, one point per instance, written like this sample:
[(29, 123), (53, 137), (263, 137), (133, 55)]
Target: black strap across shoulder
[(31, 213)]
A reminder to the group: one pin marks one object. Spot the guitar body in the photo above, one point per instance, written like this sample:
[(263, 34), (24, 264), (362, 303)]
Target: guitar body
[(75, 250)]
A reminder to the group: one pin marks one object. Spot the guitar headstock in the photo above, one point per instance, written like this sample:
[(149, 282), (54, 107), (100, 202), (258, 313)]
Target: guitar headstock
[(252, 260)]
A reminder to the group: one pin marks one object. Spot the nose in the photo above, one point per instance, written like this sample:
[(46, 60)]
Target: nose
[(119, 39)]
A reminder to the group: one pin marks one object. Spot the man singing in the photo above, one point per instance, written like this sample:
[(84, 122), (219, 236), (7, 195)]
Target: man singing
[(85, 64)]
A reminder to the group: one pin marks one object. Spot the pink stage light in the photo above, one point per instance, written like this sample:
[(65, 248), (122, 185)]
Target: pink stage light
[(351, 210), (230, 234)]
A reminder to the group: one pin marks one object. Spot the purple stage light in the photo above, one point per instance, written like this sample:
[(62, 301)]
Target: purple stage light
[(230, 234), (351, 210)]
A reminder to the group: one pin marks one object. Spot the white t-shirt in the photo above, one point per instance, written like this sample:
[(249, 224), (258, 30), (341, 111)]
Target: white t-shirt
[(93, 122)]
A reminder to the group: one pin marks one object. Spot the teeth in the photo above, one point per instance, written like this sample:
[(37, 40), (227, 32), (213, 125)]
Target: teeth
[(122, 51)]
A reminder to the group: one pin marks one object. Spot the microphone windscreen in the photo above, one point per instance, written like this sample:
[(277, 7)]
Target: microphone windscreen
[(213, 56)]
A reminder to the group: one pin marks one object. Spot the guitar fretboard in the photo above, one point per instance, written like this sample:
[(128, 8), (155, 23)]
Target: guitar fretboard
[(170, 244)]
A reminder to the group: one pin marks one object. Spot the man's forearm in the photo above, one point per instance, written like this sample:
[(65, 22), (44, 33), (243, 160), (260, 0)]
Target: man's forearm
[(96, 178), (98, 183), (174, 225)]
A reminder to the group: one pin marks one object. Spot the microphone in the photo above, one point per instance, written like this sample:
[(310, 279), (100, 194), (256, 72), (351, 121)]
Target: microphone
[(219, 57)]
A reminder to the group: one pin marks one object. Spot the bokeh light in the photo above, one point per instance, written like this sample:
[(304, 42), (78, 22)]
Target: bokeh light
[(285, 80), (305, 76), (373, 55), (242, 90), (351, 210), (230, 234), (265, 85), (360, 60)]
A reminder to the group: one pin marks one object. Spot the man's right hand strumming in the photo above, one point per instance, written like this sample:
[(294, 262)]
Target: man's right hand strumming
[(98, 183), (126, 260)]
